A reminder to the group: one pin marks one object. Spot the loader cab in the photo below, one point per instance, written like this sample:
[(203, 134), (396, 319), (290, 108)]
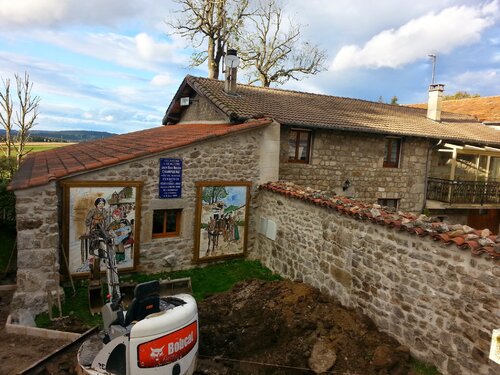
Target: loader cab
[(146, 301)]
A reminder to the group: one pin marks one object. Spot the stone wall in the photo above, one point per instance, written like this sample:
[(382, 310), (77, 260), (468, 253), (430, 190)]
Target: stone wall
[(357, 157), (38, 247), (440, 301), (200, 109)]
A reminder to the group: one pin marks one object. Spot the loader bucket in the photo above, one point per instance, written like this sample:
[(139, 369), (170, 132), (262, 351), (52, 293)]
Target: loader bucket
[(95, 296)]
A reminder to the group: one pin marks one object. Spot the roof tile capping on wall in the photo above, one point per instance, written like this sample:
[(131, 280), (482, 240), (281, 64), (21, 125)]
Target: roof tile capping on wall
[(431, 285), (478, 242)]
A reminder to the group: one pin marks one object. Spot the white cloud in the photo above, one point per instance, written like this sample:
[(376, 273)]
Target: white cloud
[(33, 12), (140, 52), (478, 81), (162, 80), (49, 13), (435, 32)]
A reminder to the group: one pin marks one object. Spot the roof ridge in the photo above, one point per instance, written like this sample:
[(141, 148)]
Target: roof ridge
[(193, 79)]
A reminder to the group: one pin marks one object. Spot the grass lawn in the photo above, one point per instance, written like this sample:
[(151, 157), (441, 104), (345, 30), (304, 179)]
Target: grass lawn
[(43, 146), (205, 281)]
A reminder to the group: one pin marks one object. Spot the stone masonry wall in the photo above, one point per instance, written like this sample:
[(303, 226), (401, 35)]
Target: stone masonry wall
[(228, 159), (441, 302), (201, 109), (38, 247), (339, 156)]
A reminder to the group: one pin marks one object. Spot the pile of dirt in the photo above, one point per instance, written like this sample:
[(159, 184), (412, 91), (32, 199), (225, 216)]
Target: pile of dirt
[(290, 328)]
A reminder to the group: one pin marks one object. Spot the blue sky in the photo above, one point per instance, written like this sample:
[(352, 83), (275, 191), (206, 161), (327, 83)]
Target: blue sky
[(114, 65)]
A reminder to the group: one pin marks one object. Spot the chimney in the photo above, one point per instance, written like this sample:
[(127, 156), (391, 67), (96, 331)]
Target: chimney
[(231, 62), (435, 101)]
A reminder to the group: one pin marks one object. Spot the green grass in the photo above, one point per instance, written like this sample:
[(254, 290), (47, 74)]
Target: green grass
[(421, 368), (74, 306), (41, 146), (215, 278), (31, 148), (205, 281)]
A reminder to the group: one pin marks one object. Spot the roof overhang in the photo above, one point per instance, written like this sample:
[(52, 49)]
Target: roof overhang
[(470, 149)]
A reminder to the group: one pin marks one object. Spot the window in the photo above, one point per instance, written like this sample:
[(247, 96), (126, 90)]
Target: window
[(392, 151), (166, 223), (392, 203), (299, 144)]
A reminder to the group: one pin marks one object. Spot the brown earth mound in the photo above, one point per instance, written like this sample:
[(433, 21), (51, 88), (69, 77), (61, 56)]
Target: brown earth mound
[(290, 328)]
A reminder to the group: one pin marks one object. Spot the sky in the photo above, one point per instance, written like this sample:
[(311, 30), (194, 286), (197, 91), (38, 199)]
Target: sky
[(115, 65)]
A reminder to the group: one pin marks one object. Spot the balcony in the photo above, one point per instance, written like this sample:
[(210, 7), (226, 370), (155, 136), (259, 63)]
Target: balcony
[(463, 192)]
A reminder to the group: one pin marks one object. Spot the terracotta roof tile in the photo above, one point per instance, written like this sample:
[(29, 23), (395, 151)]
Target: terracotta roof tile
[(41, 167), (331, 112), (484, 108), (476, 241)]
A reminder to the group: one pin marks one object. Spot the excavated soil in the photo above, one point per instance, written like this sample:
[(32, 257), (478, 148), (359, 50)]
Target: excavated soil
[(257, 328), (289, 328)]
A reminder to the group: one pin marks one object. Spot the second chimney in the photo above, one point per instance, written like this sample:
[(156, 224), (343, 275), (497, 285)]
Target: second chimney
[(231, 62), (435, 102)]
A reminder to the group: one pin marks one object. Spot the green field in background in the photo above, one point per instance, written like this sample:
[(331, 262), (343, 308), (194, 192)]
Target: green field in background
[(43, 146)]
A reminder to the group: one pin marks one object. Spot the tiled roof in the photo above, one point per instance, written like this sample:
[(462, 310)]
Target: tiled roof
[(476, 241), (323, 111), (486, 109), (39, 168)]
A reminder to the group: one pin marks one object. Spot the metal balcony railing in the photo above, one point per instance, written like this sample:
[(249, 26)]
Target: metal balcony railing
[(472, 192)]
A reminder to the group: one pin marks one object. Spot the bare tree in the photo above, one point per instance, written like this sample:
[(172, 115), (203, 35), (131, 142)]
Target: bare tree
[(17, 129), (212, 21), (273, 51), (6, 117)]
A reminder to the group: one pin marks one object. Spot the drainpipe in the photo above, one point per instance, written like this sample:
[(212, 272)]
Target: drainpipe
[(426, 182)]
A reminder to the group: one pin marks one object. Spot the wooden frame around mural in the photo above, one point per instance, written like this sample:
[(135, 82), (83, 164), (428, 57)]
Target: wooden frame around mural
[(221, 225), (116, 205)]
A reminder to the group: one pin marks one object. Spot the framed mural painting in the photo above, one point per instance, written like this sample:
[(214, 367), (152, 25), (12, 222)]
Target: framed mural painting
[(112, 206), (221, 220)]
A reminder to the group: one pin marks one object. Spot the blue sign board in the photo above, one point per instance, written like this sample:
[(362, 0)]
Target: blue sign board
[(170, 178)]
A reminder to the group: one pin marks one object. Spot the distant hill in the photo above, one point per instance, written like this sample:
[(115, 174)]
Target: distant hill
[(64, 135)]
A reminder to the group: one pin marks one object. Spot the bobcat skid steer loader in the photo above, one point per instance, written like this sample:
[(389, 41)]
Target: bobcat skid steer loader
[(153, 335)]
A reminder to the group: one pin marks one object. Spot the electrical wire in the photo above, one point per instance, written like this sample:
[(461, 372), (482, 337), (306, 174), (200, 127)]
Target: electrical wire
[(224, 359)]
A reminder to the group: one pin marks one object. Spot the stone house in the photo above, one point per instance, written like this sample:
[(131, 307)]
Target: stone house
[(209, 152), (249, 136), (408, 158)]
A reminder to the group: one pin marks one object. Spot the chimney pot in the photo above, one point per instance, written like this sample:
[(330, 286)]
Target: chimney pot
[(231, 62), (435, 101)]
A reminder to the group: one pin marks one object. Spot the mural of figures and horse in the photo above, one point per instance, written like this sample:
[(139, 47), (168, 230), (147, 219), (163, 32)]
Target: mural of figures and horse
[(111, 207), (221, 219)]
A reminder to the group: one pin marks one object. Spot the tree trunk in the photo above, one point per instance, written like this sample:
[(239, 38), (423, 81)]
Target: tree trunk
[(213, 66)]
